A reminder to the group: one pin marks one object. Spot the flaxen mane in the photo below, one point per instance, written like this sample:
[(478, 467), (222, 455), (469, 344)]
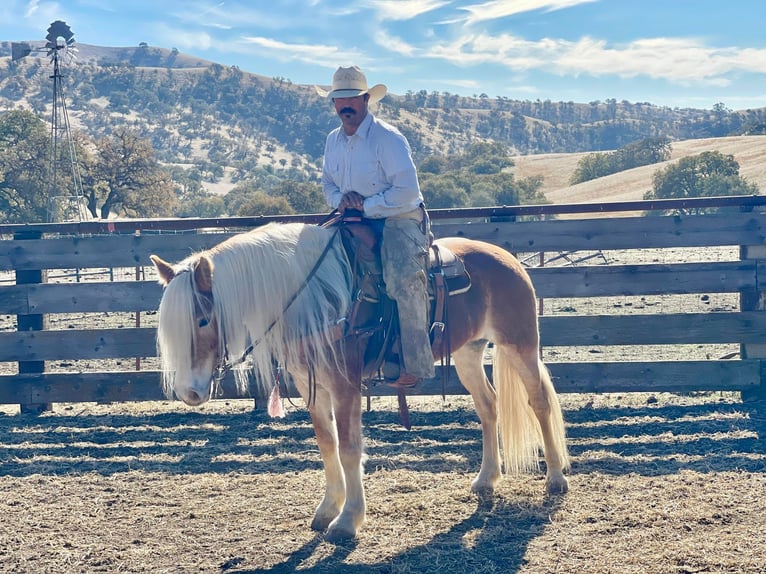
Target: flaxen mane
[(260, 298)]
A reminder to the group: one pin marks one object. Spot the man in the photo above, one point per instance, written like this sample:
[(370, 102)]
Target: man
[(368, 167)]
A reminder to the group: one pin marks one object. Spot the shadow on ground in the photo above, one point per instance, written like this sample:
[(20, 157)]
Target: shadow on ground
[(649, 440)]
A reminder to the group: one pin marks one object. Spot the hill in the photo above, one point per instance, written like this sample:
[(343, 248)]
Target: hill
[(228, 124), (630, 185)]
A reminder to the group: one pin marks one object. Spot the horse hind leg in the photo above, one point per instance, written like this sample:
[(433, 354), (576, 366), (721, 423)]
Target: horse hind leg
[(470, 369), (530, 416)]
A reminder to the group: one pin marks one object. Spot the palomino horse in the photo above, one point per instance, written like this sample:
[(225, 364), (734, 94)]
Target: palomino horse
[(279, 292)]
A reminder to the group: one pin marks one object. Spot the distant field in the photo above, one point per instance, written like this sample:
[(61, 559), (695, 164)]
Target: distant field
[(556, 170)]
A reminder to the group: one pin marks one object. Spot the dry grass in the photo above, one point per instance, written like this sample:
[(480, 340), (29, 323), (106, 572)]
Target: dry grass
[(557, 169), (659, 484)]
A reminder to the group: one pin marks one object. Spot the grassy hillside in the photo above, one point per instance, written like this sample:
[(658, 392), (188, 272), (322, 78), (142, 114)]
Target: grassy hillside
[(230, 125), (556, 169)]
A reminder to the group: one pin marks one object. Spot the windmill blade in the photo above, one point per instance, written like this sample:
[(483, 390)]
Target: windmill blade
[(20, 50), (59, 29)]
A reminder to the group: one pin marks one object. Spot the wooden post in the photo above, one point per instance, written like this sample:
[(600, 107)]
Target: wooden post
[(31, 322), (139, 273), (755, 300)]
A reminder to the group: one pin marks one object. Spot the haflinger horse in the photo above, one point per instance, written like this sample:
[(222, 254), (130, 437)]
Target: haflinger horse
[(279, 292)]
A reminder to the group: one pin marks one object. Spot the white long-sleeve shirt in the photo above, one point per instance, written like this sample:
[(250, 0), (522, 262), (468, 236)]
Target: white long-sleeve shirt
[(376, 162)]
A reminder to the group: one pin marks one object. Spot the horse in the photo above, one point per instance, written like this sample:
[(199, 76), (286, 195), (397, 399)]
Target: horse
[(277, 295)]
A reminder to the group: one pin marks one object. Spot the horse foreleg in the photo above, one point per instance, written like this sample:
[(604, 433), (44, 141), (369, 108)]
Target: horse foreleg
[(323, 419), (335, 490), (348, 415), (468, 363)]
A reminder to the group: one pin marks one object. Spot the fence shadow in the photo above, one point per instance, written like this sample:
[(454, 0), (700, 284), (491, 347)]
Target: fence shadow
[(649, 440)]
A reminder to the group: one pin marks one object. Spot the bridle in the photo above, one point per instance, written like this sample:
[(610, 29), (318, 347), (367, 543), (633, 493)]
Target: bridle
[(225, 364)]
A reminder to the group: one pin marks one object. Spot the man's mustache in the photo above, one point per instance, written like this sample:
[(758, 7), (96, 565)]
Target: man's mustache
[(347, 111)]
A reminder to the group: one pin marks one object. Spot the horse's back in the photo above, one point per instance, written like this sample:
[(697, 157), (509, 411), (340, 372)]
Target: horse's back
[(501, 303)]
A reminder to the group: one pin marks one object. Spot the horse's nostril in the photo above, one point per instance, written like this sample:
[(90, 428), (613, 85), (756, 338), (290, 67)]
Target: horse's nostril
[(193, 398)]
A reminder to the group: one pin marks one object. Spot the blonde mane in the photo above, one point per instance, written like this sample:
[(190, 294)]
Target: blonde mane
[(256, 275)]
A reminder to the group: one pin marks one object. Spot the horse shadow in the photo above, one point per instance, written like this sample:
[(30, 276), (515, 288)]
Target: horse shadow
[(486, 551)]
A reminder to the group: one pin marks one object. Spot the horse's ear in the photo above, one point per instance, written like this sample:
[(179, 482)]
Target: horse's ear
[(164, 269), (203, 274)]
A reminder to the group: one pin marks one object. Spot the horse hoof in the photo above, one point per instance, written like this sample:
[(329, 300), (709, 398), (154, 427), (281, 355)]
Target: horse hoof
[(483, 490), (336, 535), (319, 524), (558, 485)]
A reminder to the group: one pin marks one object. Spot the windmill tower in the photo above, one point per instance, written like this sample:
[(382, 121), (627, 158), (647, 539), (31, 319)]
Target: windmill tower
[(63, 204)]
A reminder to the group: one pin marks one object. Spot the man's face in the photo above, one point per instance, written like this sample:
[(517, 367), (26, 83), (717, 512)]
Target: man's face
[(351, 111)]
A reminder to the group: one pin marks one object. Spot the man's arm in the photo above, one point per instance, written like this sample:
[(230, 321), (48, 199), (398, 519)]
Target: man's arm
[(403, 193), (330, 188)]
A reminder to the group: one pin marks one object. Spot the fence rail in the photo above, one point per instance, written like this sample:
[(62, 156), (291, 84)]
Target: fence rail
[(27, 350)]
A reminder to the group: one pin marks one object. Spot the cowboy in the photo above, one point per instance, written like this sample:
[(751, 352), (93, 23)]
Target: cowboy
[(368, 167)]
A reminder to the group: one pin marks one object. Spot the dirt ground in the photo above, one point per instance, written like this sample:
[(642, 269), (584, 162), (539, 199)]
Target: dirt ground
[(659, 484)]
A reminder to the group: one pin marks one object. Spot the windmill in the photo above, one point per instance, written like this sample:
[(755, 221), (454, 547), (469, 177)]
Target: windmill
[(63, 205)]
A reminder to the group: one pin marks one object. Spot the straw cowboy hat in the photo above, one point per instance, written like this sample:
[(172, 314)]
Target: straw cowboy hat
[(351, 82)]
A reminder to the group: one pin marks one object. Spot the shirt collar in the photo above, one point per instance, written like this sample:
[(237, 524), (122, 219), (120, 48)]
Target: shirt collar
[(362, 131)]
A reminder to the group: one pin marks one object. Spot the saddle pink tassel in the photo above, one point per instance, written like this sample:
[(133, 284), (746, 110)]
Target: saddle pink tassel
[(276, 410)]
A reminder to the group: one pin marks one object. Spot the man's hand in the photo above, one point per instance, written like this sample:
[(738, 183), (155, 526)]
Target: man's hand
[(351, 200)]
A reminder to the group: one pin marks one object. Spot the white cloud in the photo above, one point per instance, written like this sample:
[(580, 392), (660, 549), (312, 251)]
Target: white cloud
[(315, 54), (495, 9), (676, 60), (227, 16), (467, 84), (42, 13), (393, 43), (182, 39), (404, 9), (31, 8)]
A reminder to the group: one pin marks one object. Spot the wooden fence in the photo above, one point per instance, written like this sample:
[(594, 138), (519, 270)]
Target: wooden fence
[(44, 365)]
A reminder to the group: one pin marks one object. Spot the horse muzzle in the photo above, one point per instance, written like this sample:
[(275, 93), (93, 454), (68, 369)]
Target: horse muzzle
[(197, 393)]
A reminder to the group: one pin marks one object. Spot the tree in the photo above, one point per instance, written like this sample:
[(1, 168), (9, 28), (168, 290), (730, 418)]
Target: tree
[(303, 196), (127, 179), (193, 199), (259, 203), (24, 144), (202, 204), (479, 177), (442, 192), (237, 196), (635, 154), (708, 174), (591, 166)]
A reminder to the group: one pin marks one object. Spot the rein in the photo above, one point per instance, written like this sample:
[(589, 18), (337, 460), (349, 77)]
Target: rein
[(224, 366)]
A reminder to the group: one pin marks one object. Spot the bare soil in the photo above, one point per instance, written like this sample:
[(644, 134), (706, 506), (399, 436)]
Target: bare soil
[(659, 483)]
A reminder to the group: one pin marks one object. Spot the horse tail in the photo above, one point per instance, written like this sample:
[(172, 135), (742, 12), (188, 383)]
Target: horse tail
[(521, 438)]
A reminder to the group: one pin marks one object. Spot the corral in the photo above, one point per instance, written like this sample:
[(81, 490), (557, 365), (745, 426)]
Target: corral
[(652, 328)]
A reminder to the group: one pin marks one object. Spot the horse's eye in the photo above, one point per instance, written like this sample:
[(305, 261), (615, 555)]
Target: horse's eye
[(203, 323)]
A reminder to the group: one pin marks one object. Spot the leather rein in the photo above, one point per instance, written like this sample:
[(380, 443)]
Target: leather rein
[(226, 365)]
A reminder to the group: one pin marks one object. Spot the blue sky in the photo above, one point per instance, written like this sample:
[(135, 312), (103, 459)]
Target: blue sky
[(678, 53)]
